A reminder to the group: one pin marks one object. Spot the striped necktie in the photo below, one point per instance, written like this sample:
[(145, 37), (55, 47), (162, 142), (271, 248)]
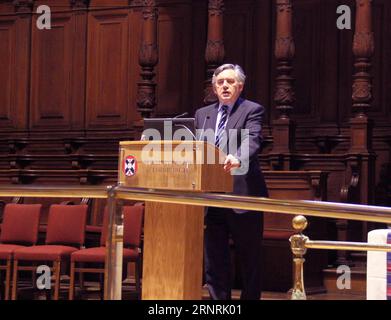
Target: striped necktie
[(221, 126)]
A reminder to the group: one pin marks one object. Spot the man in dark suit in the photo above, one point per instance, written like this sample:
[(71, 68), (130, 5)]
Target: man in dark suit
[(237, 131)]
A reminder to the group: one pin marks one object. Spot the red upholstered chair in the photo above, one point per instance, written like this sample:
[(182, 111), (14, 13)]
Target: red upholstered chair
[(133, 217), (19, 228), (65, 234)]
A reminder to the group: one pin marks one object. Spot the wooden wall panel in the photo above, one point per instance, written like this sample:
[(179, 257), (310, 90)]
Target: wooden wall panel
[(330, 80), (380, 109), (262, 63), (343, 80), (57, 74), (107, 69), (197, 55), (322, 64), (306, 33), (238, 38), (14, 66), (79, 70), (7, 50), (173, 70)]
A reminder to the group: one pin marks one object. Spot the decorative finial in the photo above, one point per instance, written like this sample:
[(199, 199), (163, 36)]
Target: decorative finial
[(299, 223)]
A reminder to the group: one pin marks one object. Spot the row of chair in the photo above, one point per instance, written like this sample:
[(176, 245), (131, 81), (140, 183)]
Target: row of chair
[(64, 243)]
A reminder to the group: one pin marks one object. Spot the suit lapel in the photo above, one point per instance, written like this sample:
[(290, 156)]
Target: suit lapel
[(211, 122), (235, 115)]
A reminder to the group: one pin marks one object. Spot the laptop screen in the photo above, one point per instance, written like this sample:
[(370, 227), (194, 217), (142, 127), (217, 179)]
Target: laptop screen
[(169, 129)]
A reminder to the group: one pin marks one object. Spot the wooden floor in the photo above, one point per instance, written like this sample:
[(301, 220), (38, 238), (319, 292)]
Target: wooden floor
[(92, 292)]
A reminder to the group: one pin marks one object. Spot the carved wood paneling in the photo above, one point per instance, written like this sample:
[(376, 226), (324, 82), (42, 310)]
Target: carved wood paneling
[(197, 65), (262, 62), (109, 40), (173, 70), (305, 71), (381, 80), (7, 51), (14, 66), (238, 38), (322, 64), (57, 74), (334, 92)]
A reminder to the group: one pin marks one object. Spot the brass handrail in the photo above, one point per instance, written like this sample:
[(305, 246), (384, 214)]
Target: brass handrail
[(344, 245), (294, 207)]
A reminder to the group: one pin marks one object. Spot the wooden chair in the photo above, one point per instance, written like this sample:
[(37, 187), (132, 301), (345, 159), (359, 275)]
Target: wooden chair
[(133, 216), (65, 235), (19, 228)]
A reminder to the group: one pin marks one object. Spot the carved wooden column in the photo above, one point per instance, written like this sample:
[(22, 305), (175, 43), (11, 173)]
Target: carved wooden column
[(361, 158), (214, 54), (363, 48), (148, 58), (360, 125), (284, 127)]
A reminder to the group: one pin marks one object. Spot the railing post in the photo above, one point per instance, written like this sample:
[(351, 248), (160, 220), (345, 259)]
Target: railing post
[(114, 247), (298, 241)]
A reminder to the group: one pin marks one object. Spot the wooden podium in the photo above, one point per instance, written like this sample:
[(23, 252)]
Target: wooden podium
[(173, 233)]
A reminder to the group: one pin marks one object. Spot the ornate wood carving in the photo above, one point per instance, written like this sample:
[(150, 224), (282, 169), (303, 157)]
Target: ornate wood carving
[(363, 48), (349, 193), (214, 54), (284, 52), (148, 58), (284, 97), (360, 126)]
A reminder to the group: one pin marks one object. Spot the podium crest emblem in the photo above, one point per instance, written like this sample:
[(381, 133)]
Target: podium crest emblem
[(130, 166)]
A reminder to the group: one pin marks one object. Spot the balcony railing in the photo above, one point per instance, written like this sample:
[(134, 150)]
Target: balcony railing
[(299, 242)]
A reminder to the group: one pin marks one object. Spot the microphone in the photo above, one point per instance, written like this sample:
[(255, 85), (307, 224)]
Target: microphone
[(203, 127), (181, 115), (183, 126)]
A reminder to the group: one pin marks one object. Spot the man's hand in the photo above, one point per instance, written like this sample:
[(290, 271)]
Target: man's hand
[(230, 163)]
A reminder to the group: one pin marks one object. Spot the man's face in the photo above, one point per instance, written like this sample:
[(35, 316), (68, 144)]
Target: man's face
[(227, 88)]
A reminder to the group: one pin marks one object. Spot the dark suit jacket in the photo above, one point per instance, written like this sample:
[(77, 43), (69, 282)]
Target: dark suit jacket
[(244, 115)]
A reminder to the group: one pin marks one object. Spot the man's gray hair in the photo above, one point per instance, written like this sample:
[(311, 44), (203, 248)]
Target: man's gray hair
[(240, 76)]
